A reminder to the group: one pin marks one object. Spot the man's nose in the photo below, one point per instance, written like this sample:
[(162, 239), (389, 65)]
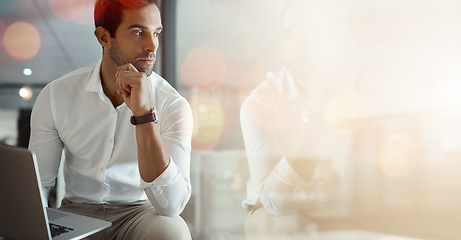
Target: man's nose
[(151, 44)]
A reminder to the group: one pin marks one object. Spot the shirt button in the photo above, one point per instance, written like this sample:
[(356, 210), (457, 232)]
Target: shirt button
[(101, 169)]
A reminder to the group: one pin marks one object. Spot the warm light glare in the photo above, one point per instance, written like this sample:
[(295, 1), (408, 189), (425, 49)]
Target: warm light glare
[(203, 69), (248, 81), (209, 121), (59, 9), (397, 155), (26, 93), (81, 11), (252, 78), (27, 71), (22, 40), (341, 112)]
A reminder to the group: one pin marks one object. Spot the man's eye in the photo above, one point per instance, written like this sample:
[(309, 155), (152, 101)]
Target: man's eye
[(138, 33), (157, 34)]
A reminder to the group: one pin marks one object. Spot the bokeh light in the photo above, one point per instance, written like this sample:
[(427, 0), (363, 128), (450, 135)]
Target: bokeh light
[(341, 111), (26, 93), (81, 11), (397, 155), (209, 122), (248, 82), (203, 69), (22, 40), (27, 71), (251, 79), (59, 9)]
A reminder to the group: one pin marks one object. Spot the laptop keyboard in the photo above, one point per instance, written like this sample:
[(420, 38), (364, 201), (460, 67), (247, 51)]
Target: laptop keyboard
[(58, 229)]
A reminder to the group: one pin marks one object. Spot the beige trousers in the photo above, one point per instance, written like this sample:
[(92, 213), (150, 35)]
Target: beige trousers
[(131, 221)]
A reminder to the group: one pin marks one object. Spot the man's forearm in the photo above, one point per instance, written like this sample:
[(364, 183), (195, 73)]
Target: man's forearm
[(153, 156)]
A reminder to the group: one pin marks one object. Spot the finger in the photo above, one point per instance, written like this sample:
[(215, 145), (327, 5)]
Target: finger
[(121, 90), (121, 68), (132, 68), (127, 67), (119, 87), (126, 86), (124, 66), (125, 94)]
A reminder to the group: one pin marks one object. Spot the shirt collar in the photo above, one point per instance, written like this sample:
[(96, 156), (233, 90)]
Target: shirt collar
[(290, 87), (94, 83)]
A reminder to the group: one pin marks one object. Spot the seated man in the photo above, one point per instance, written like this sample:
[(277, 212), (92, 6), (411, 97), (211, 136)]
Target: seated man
[(284, 131), (125, 131), (282, 134)]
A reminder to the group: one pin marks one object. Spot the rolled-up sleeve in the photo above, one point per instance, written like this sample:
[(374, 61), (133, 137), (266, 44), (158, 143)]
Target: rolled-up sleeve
[(170, 192)]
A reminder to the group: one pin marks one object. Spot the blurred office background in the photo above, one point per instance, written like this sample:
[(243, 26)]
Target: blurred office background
[(390, 78)]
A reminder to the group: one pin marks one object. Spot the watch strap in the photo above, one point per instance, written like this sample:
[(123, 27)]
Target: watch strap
[(150, 117)]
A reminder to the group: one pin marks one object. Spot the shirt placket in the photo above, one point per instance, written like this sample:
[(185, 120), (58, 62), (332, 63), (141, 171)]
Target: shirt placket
[(108, 151)]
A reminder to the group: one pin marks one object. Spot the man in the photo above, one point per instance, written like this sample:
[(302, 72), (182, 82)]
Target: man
[(284, 135), (125, 131)]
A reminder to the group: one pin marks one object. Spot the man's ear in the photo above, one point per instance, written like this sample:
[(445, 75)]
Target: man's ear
[(102, 35)]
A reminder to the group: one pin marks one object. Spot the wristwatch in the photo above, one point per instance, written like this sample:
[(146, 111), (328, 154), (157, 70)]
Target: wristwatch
[(150, 117)]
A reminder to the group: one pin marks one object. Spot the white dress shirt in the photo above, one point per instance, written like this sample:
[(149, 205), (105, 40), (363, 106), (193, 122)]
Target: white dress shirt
[(273, 118), (101, 161)]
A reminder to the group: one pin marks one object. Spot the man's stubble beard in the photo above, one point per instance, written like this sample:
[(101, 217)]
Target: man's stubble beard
[(119, 59)]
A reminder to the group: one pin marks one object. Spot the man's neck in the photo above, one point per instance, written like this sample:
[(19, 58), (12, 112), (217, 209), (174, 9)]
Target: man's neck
[(108, 84)]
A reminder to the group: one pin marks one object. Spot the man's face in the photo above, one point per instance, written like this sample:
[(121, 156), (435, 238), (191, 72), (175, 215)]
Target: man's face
[(136, 39), (316, 38), (295, 42)]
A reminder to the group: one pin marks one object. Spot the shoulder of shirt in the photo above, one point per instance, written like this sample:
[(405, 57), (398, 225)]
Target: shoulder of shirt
[(162, 87)]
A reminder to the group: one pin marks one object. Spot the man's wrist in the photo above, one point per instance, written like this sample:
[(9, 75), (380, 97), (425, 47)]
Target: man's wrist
[(140, 113), (151, 116)]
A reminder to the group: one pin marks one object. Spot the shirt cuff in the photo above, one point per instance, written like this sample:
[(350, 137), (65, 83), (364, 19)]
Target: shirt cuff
[(168, 176)]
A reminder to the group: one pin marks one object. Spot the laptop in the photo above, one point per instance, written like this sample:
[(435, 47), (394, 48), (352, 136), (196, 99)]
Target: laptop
[(22, 212)]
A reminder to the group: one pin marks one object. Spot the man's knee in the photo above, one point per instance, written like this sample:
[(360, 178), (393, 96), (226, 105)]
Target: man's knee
[(161, 227)]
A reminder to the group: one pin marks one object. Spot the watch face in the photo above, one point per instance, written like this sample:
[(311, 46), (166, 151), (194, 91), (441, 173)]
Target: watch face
[(154, 115)]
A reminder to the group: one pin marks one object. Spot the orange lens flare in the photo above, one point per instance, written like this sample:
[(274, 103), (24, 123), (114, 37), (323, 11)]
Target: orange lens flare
[(203, 69), (209, 122), (22, 40)]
